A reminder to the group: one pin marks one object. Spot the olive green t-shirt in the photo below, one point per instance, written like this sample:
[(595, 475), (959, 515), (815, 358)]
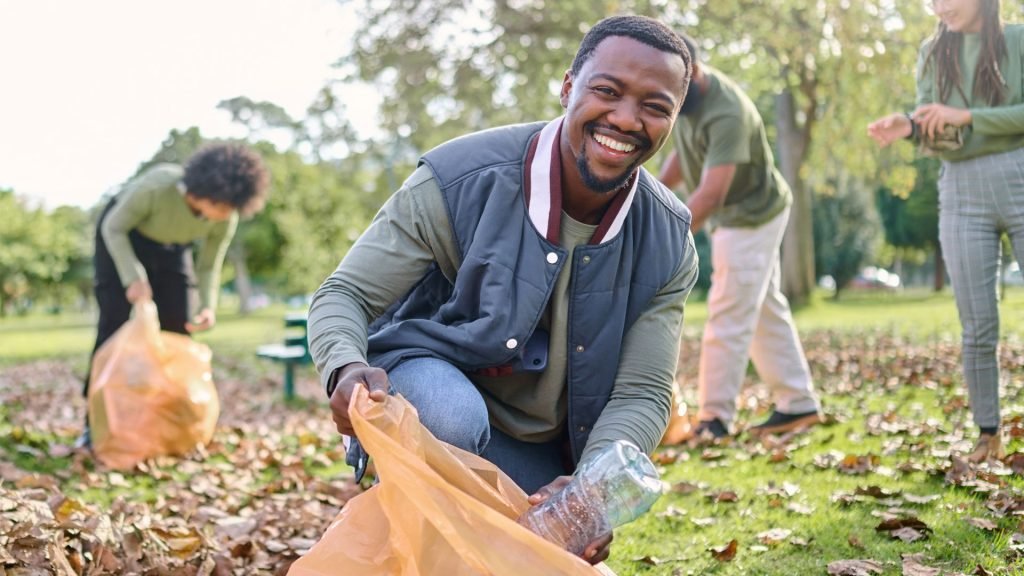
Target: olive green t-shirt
[(154, 204), (726, 128), (993, 129)]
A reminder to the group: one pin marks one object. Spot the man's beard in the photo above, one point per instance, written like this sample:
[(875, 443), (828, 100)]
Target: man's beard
[(591, 180)]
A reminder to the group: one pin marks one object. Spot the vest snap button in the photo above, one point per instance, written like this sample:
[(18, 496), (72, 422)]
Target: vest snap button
[(582, 429), (586, 259), (580, 348), (511, 343), (552, 258)]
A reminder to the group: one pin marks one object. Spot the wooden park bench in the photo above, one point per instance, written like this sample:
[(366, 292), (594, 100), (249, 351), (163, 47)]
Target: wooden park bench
[(293, 352)]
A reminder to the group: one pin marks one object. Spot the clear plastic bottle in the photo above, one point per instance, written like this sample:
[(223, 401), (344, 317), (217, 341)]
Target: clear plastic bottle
[(611, 489)]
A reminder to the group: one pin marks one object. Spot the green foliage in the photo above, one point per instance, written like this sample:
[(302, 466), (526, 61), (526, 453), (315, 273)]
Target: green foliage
[(39, 251), (175, 149), (912, 220), (447, 68), (845, 228)]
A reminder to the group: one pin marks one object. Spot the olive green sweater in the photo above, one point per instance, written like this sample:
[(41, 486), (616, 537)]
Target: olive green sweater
[(154, 204), (993, 129)]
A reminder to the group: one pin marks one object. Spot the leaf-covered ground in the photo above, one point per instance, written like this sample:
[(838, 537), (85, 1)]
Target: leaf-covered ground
[(878, 490), (249, 503)]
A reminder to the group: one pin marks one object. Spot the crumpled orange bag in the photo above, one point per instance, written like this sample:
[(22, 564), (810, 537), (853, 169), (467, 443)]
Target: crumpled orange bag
[(437, 510), (151, 393)]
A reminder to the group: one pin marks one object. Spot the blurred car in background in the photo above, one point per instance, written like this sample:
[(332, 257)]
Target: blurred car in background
[(1012, 275), (875, 278)]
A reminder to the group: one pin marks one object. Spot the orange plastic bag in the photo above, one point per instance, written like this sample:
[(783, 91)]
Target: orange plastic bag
[(151, 393), (680, 422), (437, 510)]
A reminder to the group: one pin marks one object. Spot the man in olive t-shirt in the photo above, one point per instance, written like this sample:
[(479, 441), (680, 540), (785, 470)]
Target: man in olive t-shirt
[(723, 158)]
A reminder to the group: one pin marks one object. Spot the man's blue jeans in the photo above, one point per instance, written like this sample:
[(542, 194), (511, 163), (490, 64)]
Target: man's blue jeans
[(451, 407)]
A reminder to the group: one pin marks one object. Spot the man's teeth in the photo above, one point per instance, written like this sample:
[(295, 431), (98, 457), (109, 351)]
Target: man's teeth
[(614, 144)]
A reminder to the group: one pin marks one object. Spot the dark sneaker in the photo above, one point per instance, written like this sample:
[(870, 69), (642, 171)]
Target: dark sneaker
[(713, 428), (780, 422), (85, 440)]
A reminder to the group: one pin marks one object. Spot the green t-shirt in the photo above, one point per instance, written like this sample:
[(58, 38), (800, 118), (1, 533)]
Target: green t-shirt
[(726, 128), (154, 204), (993, 129)]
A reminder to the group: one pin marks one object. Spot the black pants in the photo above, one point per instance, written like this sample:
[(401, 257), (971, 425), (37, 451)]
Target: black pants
[(171, 276)]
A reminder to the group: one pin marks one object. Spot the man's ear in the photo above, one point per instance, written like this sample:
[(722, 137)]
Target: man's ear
[(563, 97)]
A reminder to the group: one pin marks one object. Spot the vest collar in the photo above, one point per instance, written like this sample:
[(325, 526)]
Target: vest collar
[(543, 189)]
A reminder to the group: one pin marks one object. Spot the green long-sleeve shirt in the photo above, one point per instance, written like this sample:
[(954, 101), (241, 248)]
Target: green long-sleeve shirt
[(154, 204), (993, 129), (411, 232)]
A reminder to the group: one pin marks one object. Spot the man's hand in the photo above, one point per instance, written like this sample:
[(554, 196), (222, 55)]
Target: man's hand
[(356, 374), (203, 321), (138, 291), (887, 130), (595, 552), (933, 118)]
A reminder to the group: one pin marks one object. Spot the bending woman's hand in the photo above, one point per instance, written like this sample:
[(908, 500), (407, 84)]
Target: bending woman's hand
[(138, 291), (887, 130), (203, 321), (933, 118)]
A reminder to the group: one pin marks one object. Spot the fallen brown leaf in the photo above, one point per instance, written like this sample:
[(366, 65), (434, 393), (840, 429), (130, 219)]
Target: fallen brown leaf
[(854, 568), (913, 565), (982, 524), (726, 552)]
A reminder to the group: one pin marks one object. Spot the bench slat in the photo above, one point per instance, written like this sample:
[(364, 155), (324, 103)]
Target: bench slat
[(281, 352)]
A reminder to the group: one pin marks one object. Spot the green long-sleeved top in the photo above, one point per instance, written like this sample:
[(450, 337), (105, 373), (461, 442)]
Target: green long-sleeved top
[(154, 204), (993, 129), (411, 232)]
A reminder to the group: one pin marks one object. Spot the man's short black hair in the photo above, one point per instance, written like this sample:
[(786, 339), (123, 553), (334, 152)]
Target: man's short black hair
[(640, 28), (228, 173), (691, 45)]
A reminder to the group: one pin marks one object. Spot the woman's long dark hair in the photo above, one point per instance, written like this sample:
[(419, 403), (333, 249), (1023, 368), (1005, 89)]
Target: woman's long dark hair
[(945, 55)]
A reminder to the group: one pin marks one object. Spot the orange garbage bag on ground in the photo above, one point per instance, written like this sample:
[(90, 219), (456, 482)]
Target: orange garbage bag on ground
[(151, 393), (437, 510), (680, 422)]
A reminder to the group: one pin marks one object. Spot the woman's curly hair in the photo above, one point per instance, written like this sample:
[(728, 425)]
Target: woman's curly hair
[(229, 173)]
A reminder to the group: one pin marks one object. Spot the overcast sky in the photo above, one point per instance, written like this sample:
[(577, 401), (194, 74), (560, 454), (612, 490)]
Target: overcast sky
[(88, 90)]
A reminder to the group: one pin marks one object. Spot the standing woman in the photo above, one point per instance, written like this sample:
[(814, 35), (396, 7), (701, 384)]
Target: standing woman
[(970, 112), (144, 239)]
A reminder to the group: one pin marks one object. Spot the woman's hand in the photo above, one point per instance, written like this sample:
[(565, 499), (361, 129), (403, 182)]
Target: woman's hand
[(933, 118), (138, 291), (203, 321), (596, 551), (887, 130)]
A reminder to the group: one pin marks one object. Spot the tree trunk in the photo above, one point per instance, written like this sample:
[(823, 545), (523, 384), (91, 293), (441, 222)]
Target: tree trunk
[(243, 283), (940, 269), (798, 242)]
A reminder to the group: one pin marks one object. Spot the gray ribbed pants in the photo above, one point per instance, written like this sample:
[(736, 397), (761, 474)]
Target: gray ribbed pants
[(979, 199)]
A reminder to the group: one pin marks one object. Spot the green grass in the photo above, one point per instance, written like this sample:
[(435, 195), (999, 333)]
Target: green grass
[(680, 544), (916, 312), (72, 335)]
